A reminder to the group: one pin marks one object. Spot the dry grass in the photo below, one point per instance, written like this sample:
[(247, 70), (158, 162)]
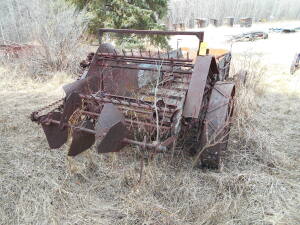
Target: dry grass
[(54, 29), (258, 184)]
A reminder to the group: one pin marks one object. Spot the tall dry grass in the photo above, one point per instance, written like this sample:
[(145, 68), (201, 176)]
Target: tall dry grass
[(53, 28)]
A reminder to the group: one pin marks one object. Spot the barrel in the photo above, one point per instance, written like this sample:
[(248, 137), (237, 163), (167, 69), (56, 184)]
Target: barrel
[(213, 22), (201, 22), (228, 21), (246, 22)]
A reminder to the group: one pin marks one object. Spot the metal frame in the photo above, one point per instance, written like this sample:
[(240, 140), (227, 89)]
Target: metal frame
[(97, 108)]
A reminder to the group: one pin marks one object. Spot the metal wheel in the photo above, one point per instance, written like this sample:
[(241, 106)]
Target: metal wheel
[(216, 125)]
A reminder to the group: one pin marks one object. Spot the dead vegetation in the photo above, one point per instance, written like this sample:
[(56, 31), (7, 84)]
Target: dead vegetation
[(54, 45)]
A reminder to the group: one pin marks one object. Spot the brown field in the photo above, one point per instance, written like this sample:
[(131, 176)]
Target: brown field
[(258, 183)]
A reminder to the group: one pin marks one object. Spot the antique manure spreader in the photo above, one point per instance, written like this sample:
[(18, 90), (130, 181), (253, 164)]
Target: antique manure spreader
[(154, 100)]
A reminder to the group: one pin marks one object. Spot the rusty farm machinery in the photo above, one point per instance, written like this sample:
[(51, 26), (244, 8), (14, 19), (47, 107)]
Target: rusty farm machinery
[(149, 99)]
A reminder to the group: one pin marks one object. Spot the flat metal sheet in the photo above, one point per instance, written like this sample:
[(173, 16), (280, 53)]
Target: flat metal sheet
[(112, 139), (110, 129), (56, 137), (203, 66), (81, 140)]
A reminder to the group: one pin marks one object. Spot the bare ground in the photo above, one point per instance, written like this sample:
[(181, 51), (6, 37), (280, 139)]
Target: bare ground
[(259, 182)]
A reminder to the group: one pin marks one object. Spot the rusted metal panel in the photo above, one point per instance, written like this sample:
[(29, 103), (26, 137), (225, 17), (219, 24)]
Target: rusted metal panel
[(55, 135), (120, 81), (72, 103), (81, 140), (203, 66), (217, 112), (214, 135), (110, 129)]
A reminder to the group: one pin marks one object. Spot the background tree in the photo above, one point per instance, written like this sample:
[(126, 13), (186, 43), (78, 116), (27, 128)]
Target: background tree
[(186, 11), (126, 14)]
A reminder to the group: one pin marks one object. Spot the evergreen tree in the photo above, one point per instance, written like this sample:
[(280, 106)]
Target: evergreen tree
[(126, 14)]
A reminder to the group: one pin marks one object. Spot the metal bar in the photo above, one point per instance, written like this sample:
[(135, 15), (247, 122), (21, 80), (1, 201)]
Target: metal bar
[(198, 34), (157, 146), (142, 111), (162, 95), (144, 57), (131, 121), (134, 67), (188, 75), (220, 56), (165, 109), (147, 124), (180, 88), (179, 81), (170, 140), (154, 62), (124, 102), (142, 61), (70, 126)]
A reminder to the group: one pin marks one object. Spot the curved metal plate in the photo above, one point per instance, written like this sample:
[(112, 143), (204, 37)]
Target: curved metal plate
[(81, 140), (88, 85), (110, 129), (72, 103), (111, 140), (203, 66), (56, 137)]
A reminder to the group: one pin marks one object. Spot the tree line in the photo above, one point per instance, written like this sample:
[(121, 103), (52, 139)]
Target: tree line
[(186, 11), (20, 20)]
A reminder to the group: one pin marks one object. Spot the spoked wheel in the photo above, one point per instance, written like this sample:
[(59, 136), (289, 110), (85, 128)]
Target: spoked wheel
[(216, 125)]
